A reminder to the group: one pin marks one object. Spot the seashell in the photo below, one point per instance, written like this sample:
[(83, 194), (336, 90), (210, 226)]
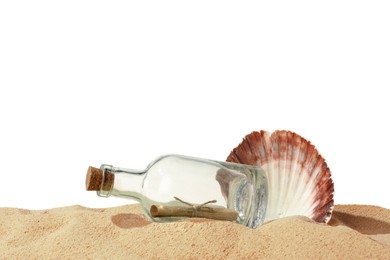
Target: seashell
[(299, 180)]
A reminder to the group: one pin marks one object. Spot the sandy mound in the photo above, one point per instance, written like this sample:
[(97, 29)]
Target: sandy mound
[(355, 232)]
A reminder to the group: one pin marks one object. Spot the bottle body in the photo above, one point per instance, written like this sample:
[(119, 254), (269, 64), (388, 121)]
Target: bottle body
[(181, 181)]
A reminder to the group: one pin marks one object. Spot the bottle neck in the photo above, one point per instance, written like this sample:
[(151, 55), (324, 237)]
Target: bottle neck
[(125, 183)]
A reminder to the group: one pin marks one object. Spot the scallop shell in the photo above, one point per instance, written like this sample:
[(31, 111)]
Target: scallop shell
[(299, 180)]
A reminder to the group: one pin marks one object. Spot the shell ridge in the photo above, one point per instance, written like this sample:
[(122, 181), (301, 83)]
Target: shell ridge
[(279, 176), (288, 166), (295, 144), (318, 171), (283, 173), (311, 182), (300, 173), (309, 190), (275, 181)]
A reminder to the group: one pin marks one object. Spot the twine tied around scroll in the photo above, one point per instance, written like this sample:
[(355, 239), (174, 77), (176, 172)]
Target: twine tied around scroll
[(193, 211), (195, 207)]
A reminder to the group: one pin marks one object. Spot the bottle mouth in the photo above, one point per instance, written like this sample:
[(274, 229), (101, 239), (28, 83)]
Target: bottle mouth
[(100, 180)]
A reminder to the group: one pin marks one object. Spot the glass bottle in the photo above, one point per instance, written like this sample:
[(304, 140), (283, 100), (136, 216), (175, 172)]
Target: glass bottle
[(176, 186)]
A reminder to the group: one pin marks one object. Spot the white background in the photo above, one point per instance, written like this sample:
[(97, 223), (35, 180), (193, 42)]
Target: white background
[(122, 82)]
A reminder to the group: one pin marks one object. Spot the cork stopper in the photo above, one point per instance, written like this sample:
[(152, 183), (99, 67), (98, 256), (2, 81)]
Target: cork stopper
[(94, 180)]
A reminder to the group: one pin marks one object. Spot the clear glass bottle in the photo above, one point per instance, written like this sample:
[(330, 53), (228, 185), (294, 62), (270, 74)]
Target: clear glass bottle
[(175, 182)]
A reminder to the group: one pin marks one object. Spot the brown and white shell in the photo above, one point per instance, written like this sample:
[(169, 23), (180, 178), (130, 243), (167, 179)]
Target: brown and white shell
[(299, 180)]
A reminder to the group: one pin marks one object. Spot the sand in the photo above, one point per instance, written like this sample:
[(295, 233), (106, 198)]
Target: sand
[(75, 232)]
